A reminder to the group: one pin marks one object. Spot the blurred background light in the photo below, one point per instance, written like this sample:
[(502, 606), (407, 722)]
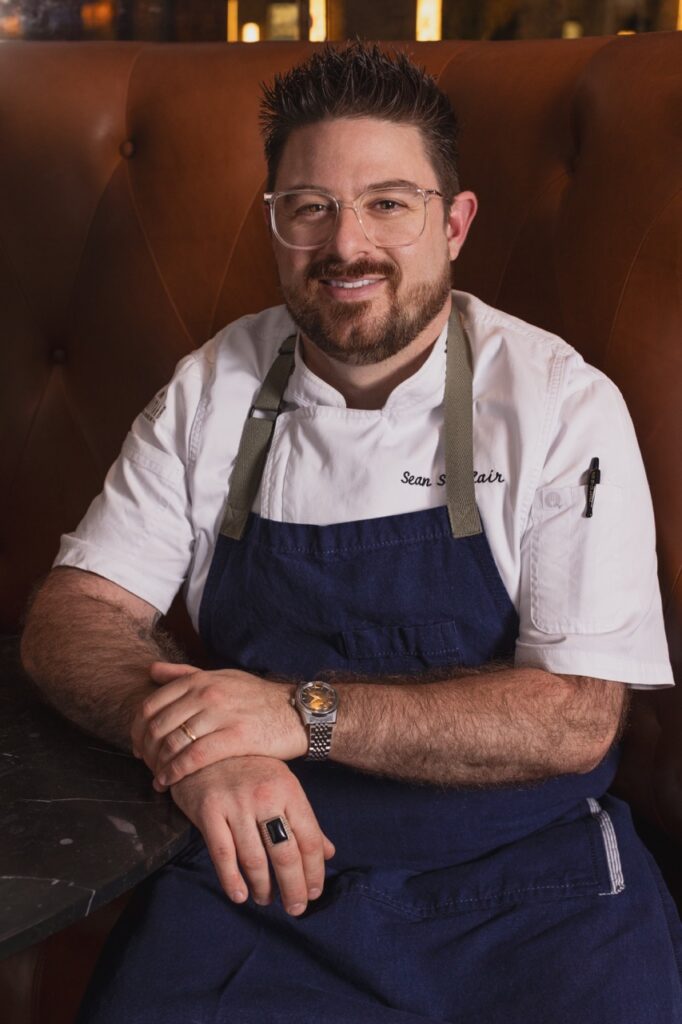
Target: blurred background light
[(97, 15), (571, 29), (318, 21), (233, 21), (282, 21), (10, 26), (429, 19), (321, 20), (250, 32)]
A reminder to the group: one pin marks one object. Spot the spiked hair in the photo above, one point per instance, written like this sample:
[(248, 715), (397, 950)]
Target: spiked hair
[(360, 80)]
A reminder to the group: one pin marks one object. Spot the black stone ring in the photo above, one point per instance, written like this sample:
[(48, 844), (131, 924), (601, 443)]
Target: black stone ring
[(275, 830)]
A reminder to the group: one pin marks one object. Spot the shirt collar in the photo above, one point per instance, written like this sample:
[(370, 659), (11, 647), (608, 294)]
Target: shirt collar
[(424, 389)]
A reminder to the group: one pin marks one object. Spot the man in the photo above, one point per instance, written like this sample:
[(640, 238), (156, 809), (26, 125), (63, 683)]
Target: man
[(422, 641)]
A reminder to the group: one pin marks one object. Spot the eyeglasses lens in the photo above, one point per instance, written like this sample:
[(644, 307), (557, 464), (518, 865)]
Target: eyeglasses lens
[(390, 217)]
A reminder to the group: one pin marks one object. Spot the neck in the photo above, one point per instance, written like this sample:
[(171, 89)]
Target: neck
[(368, 386)]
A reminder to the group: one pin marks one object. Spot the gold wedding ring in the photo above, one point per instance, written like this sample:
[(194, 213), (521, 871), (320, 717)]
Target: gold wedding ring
[(188, 732)]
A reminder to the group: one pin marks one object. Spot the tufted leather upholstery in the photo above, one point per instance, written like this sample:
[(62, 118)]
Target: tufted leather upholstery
[(131, 230)]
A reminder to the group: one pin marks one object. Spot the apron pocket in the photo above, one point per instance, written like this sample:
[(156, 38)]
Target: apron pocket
[(433, 643), (578, 858)]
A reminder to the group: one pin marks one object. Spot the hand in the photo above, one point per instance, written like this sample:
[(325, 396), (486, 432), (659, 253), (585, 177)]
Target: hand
[(227, 800), (232, 714)]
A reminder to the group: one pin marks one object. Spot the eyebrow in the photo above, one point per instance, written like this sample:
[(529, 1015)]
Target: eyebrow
[(393, 183), (390, 183)]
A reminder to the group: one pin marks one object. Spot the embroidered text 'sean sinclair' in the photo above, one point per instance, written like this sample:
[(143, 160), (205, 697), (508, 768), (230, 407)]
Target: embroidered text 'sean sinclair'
[(492, 477)]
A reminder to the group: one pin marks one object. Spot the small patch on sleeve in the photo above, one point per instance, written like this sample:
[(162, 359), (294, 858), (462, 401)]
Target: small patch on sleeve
[(156, 407)]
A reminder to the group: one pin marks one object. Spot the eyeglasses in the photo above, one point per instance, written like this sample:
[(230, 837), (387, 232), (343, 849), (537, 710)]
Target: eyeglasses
[(389, 217)]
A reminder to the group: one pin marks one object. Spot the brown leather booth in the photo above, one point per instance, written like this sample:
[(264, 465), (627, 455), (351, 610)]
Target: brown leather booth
[(131, 229)]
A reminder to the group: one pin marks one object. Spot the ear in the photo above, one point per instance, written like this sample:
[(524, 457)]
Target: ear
[(460, 218)]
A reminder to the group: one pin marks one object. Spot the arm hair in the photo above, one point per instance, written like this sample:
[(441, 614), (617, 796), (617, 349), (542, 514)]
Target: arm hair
[(88, 644)]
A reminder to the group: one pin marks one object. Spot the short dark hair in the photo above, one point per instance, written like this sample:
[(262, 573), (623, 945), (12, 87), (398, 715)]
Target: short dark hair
[(361, 80)]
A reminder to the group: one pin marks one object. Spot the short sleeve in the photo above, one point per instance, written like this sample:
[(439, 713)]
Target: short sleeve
[(138, 532), (590, 603)]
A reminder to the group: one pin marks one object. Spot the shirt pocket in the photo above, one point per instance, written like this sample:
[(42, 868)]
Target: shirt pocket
[(582, 574)]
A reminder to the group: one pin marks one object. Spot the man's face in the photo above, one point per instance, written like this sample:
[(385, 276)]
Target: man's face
[(404, 289)]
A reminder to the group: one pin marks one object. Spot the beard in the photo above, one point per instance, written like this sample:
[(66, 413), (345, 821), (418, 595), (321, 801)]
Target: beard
[(344, 331)]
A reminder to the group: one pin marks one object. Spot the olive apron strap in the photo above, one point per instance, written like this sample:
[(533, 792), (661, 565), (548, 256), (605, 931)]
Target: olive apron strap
[(459, 453), (255, 442)]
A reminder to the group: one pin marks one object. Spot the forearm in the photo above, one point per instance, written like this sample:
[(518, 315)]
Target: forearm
[(481, 729), (90, 655), (492, 726)]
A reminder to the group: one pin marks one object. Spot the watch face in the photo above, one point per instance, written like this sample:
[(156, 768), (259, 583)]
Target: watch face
[(318, 698)]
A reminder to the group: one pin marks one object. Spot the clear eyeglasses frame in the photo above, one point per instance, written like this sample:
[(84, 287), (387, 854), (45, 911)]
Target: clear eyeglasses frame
[(389, 217)]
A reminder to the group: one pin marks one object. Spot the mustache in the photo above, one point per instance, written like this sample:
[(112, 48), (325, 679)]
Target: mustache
[(328, 267)]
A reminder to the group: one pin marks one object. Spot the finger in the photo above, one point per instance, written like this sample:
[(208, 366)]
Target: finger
[(180, 706), (190, 757), (179, 743), (252, 858), (287, 863), (175, 728), (151, 706), (314, 845), (137, 728), (163, 672), (221, 847), (309, 839)]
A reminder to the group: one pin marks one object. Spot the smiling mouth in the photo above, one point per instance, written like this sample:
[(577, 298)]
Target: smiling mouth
[(351, 284), (363, 282)]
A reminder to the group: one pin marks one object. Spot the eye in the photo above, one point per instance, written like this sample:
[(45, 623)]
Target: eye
[(389, 204), (311, 210)]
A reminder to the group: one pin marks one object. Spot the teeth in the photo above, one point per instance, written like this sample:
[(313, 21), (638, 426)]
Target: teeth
[(350, 284)]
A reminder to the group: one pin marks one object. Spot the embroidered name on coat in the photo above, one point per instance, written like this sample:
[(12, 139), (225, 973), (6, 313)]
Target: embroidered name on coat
[(491, 477)]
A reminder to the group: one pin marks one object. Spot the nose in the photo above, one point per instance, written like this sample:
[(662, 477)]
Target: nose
[(349, 239)]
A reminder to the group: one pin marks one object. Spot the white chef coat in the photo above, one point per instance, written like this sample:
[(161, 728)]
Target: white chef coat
[(585, 589)]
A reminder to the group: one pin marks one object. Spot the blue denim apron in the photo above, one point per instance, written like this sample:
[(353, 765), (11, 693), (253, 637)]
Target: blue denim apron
[(527, 904)]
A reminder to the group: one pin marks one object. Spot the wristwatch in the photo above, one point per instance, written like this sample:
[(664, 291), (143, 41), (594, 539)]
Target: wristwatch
[(316, 703)]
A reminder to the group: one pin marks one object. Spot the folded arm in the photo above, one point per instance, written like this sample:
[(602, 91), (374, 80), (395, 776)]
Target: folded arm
[(484, 727), (97, 654)]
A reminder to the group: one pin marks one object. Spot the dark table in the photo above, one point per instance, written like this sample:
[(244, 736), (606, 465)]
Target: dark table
[(79, 821)]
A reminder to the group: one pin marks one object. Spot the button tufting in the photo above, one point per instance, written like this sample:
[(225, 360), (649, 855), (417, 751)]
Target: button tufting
[(58, 355), (127, 149)]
